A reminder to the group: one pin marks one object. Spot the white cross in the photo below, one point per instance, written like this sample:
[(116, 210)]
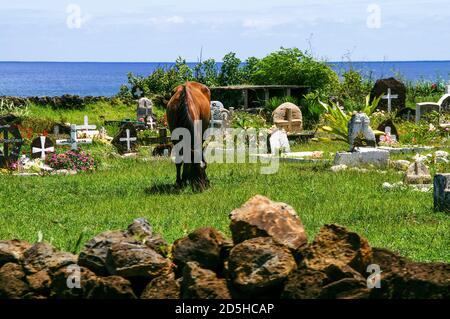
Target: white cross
[(74, 141), (390, 97), (85, 127), (151, 123), (138, 92), (128, 139), (43, 150)]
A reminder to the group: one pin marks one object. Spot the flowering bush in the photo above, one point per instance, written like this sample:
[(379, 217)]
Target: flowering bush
[(71, 160)]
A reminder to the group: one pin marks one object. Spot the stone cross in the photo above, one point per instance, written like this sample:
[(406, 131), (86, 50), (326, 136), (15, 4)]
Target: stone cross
[(389, 97), (128, 139), (43, 150), (151, 123), (138, 92), (73, 141)]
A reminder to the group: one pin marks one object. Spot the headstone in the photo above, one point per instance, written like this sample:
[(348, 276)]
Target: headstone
[(388, 127), (442, 193), (220, 116), (359, 132), (12, 142), (126, 140), (393, 93), (418, 174), (288, 116), (41, 146), (144, 109), (279, 142), (426, 107), (74, 141), (444, 103)]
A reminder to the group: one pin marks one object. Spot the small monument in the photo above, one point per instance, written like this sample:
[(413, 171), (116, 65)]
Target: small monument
[(12, 144), (288, 116), (418, 174), (392, 92), (126, 140), (391, 131), (279, 142), (41, 146), (442, 193), (359, 132), (220, 116), (144, 109)]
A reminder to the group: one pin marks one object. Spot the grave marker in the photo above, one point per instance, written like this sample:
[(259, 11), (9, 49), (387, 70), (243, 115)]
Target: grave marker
[(389, 97), (359, 132), (279, 142), (442, 193), (41, 146), (126, 140), (11, 145), (73, 141)]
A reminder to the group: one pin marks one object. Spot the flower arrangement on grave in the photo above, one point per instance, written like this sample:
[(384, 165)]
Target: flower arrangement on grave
[(70, 160)]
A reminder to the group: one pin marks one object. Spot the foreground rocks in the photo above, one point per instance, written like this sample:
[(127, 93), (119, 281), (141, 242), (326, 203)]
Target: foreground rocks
[(270, 258)]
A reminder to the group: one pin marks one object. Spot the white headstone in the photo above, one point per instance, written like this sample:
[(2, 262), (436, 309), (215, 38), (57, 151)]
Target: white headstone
[(279, 142)]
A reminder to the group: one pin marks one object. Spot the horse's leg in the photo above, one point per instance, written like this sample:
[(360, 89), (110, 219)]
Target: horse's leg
[(179, 180)]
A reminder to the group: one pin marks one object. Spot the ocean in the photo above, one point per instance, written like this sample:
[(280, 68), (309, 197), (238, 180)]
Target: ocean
[(104, 79)]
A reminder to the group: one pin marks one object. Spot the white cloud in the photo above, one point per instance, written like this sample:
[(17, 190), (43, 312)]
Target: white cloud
[(265, 23), (167, 20)]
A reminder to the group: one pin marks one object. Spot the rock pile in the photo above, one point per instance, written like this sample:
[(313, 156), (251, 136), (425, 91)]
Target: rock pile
[(269, 257)]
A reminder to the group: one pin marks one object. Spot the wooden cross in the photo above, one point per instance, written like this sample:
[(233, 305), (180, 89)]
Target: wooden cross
[(86, 127), (73, 141), (389, 97), (17, 141), (43, 150), (128, 139)]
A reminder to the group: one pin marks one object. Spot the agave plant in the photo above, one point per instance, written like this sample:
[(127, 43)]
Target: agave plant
[(9, 108), (338, 119)]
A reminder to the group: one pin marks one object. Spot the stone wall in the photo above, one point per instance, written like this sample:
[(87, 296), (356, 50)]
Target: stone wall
[(268, 257), (67, 102)]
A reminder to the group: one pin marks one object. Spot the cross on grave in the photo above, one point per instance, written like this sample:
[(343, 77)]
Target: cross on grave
[(10, 154), (45, 147), (389, 97), (151, 122), (73, 141), (138, 92), (128, 139), (86, 127)]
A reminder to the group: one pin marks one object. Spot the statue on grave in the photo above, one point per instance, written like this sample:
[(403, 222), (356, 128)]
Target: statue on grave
[(220, 116), (360, 134)]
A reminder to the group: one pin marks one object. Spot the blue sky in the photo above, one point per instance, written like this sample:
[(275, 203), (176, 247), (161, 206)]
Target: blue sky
[(138, 30)]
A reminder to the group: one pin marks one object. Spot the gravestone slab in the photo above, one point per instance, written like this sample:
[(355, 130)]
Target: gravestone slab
[(144, 109), (126, 140), (289, 117), (424, 108), (279, 142), (41, 146), (396, 98), (10, 144), (418, 174), (363, 157), (359, 132), (442, 193), (444, 103)]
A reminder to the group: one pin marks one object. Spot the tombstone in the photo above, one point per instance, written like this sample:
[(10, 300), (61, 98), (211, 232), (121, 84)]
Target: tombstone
[(137, 92), (220, 116), (359, 132), (41, 146), (392, 92), (12, 142), (74, 141), (442, 193), (389, 128), (424, 108), (418, 174), (288, 116), (444, 103), (126, 140), (279, 142), (144, 109)]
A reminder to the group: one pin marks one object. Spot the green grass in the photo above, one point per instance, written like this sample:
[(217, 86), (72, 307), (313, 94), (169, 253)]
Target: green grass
[(63, 207)]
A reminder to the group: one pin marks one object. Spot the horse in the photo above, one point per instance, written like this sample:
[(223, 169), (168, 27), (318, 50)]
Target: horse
[(188, 107)]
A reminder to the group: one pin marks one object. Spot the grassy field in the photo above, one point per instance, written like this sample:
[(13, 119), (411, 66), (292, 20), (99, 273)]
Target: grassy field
[(62, 208)]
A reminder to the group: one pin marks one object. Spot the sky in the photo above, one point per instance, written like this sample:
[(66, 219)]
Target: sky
[(160, 31)]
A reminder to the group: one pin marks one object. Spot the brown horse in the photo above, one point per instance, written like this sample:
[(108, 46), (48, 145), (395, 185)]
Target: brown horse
[(188, 107)]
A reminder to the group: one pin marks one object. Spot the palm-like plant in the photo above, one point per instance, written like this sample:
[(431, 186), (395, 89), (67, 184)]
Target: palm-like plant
[(338, 119)]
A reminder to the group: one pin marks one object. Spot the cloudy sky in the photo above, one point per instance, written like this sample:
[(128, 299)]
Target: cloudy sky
[(148, 30)]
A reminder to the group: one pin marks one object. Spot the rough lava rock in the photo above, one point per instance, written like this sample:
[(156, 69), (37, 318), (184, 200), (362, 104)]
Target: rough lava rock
[(164, 287), (259, 265), (136, 260), (405, 279), (43, 256), (12, 251), (207, 246), (12, 282), (201, 283), (337, 245), (261, 217)]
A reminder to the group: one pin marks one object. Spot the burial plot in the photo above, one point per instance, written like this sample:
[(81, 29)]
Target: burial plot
[(392, 92), (418, 174), (41, 146), (390, 129), (288, 116), (126, 140), (442, 193), (220, 116), (74, 141), (144, 113), (12, 143)]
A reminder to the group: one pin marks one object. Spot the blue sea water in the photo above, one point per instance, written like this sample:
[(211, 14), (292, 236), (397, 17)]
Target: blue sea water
[(105, 79)]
